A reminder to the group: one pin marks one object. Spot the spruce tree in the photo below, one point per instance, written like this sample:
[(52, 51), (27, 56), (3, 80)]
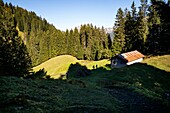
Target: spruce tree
[(83, 40), (154, 22), (119, 38), (67, 41), (77, 46), (163, 10), (14, 58), (142, 28), (131, 29)]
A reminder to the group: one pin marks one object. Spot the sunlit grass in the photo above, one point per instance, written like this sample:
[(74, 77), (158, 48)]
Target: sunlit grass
[(149, 79), (59, 65), (161, 62)]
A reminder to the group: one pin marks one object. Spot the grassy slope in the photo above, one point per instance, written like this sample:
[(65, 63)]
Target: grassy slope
[(50, 96), (58, 66), (142, 87), (161, 62), (146, 75)]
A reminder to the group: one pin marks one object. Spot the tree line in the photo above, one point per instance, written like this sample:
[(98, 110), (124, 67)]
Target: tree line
[(146, 30), (30, 39), (44, 41)]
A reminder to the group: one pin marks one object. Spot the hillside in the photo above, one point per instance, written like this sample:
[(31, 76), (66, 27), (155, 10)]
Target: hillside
[(137, 88), (59, 65), (161, 62), (88, 85)]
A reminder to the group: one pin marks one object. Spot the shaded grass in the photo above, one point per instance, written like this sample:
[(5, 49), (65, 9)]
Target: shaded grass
[(101, 91), (146, 80), (143, 78), (20, 95)]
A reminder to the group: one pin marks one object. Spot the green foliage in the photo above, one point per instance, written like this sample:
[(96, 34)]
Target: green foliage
[(154, 35), (94, 42), (14, 58), (119, 39), (159, 25), (44, 41), (146, 30)]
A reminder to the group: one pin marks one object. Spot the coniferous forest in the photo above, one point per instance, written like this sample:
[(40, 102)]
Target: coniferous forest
[(81, 80), (146, 29)]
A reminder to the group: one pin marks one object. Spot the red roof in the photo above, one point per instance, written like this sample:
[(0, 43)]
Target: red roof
[(133, 55)]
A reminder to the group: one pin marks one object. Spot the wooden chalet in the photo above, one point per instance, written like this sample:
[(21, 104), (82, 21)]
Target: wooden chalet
[(125, 59)]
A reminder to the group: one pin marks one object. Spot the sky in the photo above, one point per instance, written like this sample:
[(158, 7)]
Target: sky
[(68, 14)]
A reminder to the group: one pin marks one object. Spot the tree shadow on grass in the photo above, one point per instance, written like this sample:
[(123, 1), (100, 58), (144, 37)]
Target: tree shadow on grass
[(149, 85), (41, 74), (139, 72), (77, 70)]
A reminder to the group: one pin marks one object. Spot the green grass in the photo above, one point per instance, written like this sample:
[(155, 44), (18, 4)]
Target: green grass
[(146, 79), (142, 87), (161, 62), (59, 65), (150, 75), (47, 96)]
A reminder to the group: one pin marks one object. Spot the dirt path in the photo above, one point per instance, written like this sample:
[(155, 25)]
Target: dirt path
[(132, 102)]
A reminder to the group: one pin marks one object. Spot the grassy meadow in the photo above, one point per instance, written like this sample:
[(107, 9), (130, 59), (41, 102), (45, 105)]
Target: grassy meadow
[(58, 66), (160, 62), (142, 87)]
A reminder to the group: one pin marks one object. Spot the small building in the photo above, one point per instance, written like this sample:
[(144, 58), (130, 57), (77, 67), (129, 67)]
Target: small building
[(125, 59)]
